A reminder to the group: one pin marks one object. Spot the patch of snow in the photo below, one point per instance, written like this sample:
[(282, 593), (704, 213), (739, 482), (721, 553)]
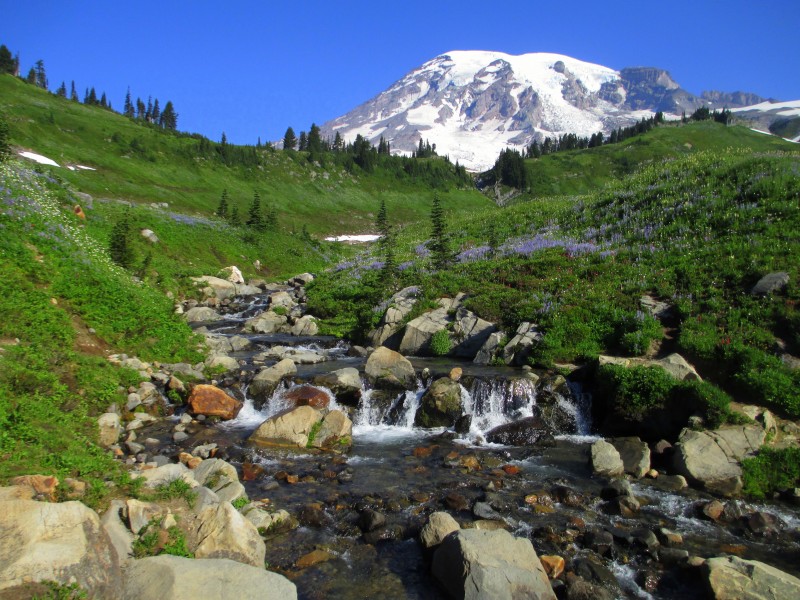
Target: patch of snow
[(759, 131), (772, 106), (70, 167), (353, 238), (82, 168), (42, 160)]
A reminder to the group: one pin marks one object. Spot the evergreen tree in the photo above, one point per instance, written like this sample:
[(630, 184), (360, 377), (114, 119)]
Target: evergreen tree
[(303, 144), (254, 217), (439, 244), (156, 112), (148, 112), (222, 209), (31, 78), (5, 149), (62, 90), (41, 77), (338, 143), (224, 139), (314, 141), (7, 62), (140, 109), (289, 139), (169, 118), (73, 93), (271, 221), (386, 246), (234, 218), (127, 108), (104, 101), (120, 243)]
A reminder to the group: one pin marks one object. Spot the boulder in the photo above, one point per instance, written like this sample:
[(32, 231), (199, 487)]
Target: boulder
[(306, 325), (178, 578), (267, 322), (301, 279), (518, 349), (711, 459), (733, 578), (165, 475), (215, 287), (472, 333), (281, 299), (264, 384), (439, 526), (222, 532), (118, 533), (344, 383), (388, 369), (770, 283), (211, 401), (440, 406), (221, 478), (522, 432), (606, 460), (400, 306), (149, 235), (674, 364), (232, 274), (300, 356), (336, 430), (201, 314), (418, 333), (221, 360), (307, 395), (488, 351), (262, 519), (635, 455), (475, 564), (62, 542), (110, 429), (288, 428), (141, 513)]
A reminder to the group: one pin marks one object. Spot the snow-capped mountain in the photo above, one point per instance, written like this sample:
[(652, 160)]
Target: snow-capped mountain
[(472, 104)]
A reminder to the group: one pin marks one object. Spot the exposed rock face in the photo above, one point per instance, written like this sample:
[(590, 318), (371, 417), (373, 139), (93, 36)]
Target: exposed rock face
[(770, 283), (211, 401), (489, 349), (441, 404), (732, 578), (711, 459), (400, 306), (606, 460), (674, 364), (472, 333), (222, 289), (523, 432), (475, 564), (518, 349), (233, 274), (224, 533), (61, 542), (178, 578), (438, 527), (418, 333), (635, 455), (289, 428), (264, 384), (344, 383), (388, 369)]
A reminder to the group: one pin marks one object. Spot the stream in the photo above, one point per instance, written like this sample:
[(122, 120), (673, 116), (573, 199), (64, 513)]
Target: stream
[(545, 492)]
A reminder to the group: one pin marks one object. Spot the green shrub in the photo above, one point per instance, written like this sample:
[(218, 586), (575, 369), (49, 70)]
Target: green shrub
[(772, 470), (240, 503), (634, 391), (440, 343), (707, 400)]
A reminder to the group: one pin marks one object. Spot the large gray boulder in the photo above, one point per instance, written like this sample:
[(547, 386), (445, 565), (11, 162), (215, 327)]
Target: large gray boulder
[(222, 532), (440, 406), (770, 283), (606, 460), (178, 578), (305, 326), (388, 369), (635, 455), (118, 533), (438, 527), (336, 431), (290, 428), (418, 333), (63, 542), (674, 364), (166, 474), (267, 322), (344, 383), (215, 287), (472, 333), (201, 314), (475, 564), (220, 477), (712, 459), (518, 349), (400, 305), (488, 351), (733, 578), (267, 380)]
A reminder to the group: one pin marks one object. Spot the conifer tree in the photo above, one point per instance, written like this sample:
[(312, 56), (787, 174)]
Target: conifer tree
[(222, 209), (314, 141), (156, 112), (338, 143), (439, 244), (386, 245), (234, 218), (169, 118), (73, 94), (120, 245), (140, 108), (104, 101), (271, 221), (31, 78), (148, 112), (303, 144), (7, 62), (62, 90), (289, 139), (5, 149), (254, 217), (41, 77), (127, 108)]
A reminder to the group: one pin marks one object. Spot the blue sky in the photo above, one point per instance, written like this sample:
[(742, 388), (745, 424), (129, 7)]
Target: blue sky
[(253, 68)]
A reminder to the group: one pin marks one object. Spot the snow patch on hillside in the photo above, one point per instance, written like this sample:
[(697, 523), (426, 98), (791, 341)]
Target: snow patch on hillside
[(42, 160)]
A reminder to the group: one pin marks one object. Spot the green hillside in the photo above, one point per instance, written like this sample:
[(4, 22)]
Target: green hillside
[(583, 171), (145, 164)]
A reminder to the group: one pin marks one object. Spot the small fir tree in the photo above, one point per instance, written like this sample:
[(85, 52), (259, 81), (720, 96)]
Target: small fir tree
[(254, 217), (289, 139), (73, 93), (234, 218), (62, 90), (7, 62), (386, 248), (439, 244), (120, 243), (222, 209)]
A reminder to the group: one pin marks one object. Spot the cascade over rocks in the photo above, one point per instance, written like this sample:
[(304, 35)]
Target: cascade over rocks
[(441, 404), (344, 383), (267, 380), (523, 432)]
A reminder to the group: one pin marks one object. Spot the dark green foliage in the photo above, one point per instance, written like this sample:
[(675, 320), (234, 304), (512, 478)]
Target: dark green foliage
[(289, 139), (169, 118), (772, 470), (441, 255), (222, 209), (634, 391), (120, 242), (386, 245), (7, 62), (255, 217), (40, 75), (440, 343), (509, 169), (5, 149)]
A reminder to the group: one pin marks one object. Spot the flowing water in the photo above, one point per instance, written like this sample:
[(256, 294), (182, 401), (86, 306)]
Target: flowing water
[(406, 473)]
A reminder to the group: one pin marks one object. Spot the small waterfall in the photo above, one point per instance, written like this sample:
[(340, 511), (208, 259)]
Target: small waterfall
[(383, 408), (493, 402), (250, 416)]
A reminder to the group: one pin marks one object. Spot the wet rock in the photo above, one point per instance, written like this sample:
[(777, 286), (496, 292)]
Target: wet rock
[(440, 406), (483, 510), (710, 459), (307, 395), (267, 380), (635, 455), (770, 283), (580, 589), (220, 477), (764, 524), (463, 424), (63, 542), (267, 322), (455, 501), (313, 558), (201, 314), (344, 383), (336, 432), (312, 515), (606, 460), (673, 556), (567, 496), (211, 401), (732, 578), (370, 520), (522, 432), (625, 506), (617, 488), (476, 564), (439, 526), (670, 538), (305, 326), (593, 569), (288, 428), (646, 539), (601, 542), (553, 565), (388, 369), (713, 510)]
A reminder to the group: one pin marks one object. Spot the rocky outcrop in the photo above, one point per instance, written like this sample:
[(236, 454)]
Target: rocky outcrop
[(474, 564), (201, 314), (635, 455), (388, 369), (224, 533), (519, 348), (290, 428), (211, 401), (400, 305), (732, 578), (674, 364), (711, 459), (441, 404), (63, 542), (488, 351), (418, 333), (471, 333), (178, 578), (264, 384)]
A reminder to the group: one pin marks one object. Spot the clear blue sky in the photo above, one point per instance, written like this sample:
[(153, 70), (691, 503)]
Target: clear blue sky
[(253, 68)]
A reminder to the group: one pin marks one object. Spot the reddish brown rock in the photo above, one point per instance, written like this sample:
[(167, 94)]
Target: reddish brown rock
[(308, 395), (510, 469), (553, 565), (251, 471), (455, 373), (713, 510), (211, 401), (312, 558), (422, 451), (42, 485)]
